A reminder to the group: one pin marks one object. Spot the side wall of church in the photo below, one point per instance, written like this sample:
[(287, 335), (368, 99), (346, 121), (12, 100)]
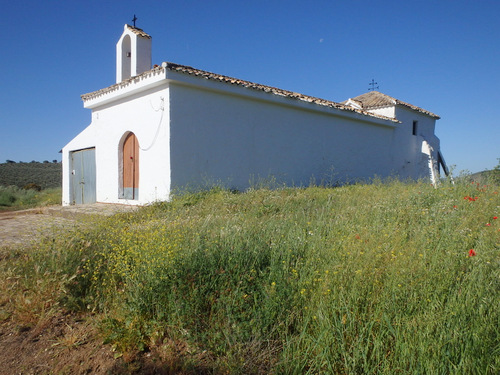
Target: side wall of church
[(220, 138)]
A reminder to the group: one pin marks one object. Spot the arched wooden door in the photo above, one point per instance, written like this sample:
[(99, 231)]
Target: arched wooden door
[(131, 167)]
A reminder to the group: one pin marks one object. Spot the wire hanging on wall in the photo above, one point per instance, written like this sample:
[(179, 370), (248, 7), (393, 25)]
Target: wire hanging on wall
[(162, 109)]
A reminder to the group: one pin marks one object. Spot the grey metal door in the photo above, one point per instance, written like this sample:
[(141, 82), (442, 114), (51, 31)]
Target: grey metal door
[(83, 176)]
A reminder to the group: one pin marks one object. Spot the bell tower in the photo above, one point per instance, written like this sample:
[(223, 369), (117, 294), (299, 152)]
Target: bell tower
[(133, 53)]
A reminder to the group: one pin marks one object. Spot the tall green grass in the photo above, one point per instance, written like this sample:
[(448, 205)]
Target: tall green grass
[(362, 279)]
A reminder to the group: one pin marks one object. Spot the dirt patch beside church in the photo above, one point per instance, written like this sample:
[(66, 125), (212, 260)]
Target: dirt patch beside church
[(69, 344), (62, 345)]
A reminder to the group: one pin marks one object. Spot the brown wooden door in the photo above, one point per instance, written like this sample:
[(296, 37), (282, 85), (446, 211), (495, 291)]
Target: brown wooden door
[(131, 167)]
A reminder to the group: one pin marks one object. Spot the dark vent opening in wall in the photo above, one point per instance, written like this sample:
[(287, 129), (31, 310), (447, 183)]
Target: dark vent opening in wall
[(415, 126)]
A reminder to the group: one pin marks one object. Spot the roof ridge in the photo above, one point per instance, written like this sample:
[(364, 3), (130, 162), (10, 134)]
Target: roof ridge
[(185, 69), (274, 90), (387, 96), (138, 31)]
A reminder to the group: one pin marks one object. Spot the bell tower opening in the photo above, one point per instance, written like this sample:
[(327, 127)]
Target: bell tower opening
[(133, 53), (126, 57)]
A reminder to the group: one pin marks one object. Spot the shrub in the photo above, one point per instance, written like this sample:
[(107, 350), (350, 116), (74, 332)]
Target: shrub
[(32, 186), (7, 198), (16, 198)]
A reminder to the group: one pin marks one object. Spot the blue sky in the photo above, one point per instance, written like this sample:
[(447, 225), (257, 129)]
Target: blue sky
[(443, 56)]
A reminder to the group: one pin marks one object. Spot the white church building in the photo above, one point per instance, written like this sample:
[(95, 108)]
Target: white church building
[(161, 129)]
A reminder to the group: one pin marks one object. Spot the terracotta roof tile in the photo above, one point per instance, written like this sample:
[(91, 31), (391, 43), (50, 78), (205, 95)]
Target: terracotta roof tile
[(184, 69), (138, 31), (276, 91)]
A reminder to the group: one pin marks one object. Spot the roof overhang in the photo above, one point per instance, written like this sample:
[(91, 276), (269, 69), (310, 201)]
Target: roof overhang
[(302, 103), (169, 73), (145, 81)]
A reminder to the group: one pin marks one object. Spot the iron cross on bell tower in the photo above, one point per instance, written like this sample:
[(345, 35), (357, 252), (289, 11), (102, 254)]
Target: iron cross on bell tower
[(134, 19)]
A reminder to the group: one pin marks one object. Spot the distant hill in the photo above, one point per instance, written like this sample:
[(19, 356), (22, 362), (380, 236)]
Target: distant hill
[(46, 175)]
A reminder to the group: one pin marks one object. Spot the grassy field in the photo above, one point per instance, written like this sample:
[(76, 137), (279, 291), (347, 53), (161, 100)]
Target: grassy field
[(46, 175), (14, 198), (27, 185), (365, 279)]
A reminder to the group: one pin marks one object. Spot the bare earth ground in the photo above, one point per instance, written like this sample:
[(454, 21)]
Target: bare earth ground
[(67, 343)]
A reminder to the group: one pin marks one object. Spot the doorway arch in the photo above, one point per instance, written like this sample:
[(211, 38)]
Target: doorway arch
[(130, 167)]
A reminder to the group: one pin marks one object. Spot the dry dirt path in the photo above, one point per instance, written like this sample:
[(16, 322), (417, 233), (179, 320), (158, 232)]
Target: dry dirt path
[(20, 227)]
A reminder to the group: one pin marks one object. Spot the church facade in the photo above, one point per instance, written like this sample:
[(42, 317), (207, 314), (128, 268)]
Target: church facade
[(166, 128)]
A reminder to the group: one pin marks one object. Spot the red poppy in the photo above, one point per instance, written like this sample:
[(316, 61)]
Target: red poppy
[(495, 217), (472, 252), (488, 224)]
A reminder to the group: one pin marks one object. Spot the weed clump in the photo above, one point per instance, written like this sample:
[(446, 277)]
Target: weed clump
[(14, 198), (32, 186)]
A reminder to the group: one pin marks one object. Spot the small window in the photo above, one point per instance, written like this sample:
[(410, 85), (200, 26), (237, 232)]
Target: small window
[(415, 126)]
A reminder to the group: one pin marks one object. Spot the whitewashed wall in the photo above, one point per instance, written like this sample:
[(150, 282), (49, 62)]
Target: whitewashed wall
[(141, 114), (407, 154), (228, 139), (408, 147)]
